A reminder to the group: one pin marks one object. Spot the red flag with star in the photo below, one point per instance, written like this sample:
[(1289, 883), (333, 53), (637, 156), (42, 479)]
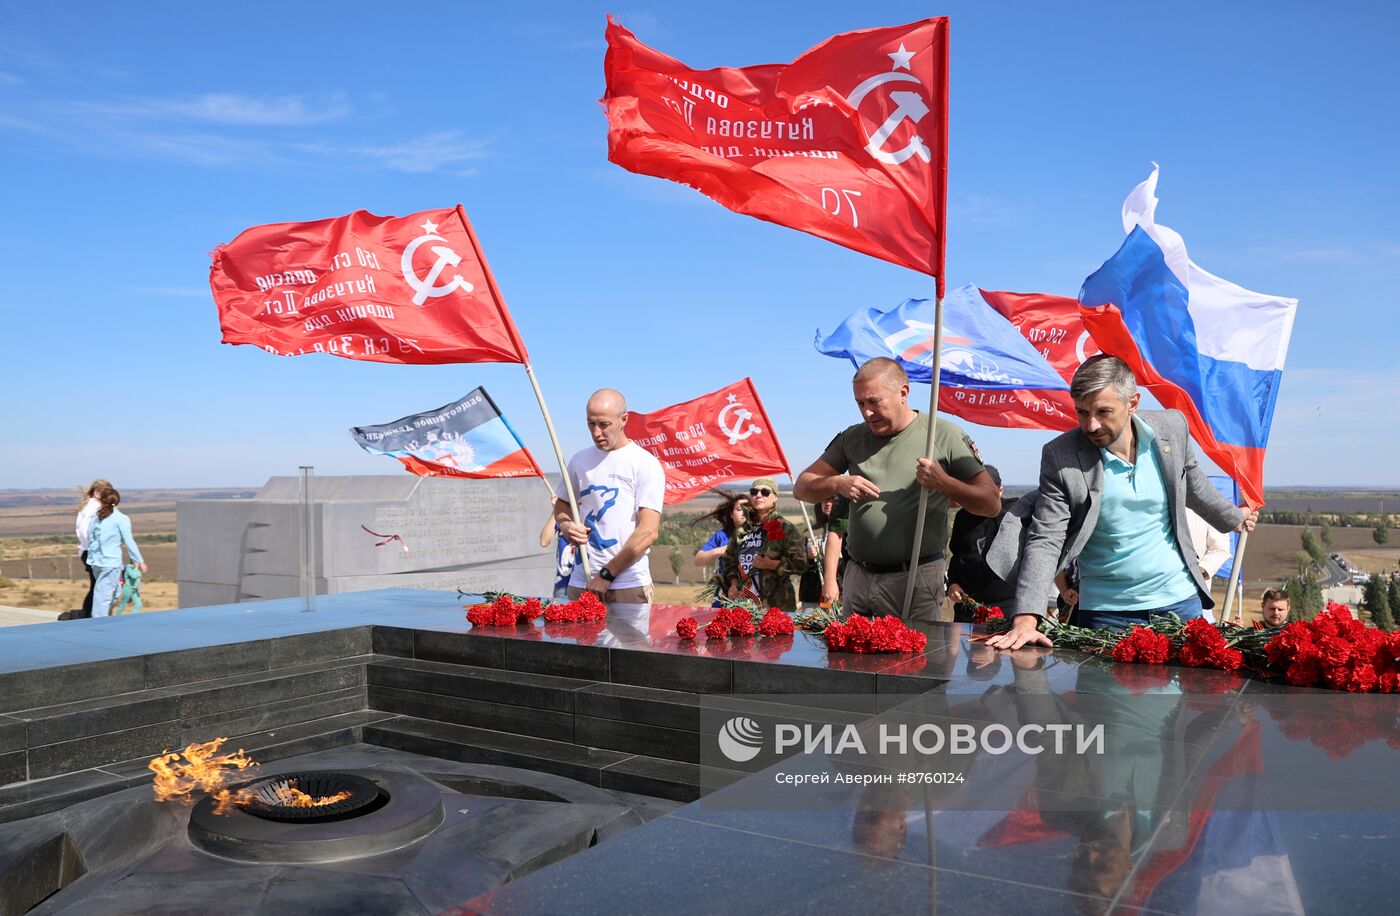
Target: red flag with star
[(716, 437), (848, 142), (389, 289)]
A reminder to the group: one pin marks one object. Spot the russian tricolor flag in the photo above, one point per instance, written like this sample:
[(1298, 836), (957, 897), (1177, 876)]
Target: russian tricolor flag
[(1202, 345)]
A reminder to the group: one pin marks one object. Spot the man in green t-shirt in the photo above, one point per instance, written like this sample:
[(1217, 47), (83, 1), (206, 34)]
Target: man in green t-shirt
[(879, 466)]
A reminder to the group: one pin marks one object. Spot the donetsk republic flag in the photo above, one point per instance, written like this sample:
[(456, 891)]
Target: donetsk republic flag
[(467, 438)]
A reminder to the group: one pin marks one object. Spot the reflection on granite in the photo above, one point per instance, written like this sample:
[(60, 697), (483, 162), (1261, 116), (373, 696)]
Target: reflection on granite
[(1215, 794), (1210, 797)]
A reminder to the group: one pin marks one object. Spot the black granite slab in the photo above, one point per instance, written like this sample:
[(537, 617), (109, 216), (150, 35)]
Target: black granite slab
[(14, 767), (499, 685), (12, 734), (63, 681), (476, 745), (679, 743), (504, 717)]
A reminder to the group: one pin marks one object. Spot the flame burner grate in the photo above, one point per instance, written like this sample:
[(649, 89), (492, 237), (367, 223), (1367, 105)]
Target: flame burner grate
[(271, 798)]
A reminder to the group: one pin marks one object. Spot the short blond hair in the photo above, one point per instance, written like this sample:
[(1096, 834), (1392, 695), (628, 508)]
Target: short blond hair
[(883, 368)]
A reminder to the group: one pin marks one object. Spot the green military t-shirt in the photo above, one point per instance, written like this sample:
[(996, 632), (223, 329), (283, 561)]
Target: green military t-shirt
[(881, 530)]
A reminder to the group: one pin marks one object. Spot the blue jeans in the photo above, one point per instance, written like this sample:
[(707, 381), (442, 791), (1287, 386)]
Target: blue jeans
[(1123, 620), (104, 592)]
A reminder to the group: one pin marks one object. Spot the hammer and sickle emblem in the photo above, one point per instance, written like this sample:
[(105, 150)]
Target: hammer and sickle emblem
[(908, 105), (742, 415), (426, 287)]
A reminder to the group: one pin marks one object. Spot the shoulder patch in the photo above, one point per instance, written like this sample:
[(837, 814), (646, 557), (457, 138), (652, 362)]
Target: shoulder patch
[(972, 447)]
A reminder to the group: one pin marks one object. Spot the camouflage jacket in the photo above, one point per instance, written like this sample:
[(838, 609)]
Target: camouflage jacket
[(773, 587)]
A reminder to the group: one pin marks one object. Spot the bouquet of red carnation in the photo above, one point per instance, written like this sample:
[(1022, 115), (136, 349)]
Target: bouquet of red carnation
[(1337, 651), (1204, 646), (587, 606), (1143, 645), (504, 612), (687, 627), (775, 623), (729, 620), (883, 634), (985, 613)]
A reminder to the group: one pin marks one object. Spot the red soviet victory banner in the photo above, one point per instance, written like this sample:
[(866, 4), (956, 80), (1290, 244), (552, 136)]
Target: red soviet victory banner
[(848, 142), (410, 289), (718, 436), (1053, 326)]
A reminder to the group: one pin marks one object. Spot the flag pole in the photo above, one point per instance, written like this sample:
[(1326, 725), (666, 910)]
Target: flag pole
[(530, 374), (1235, 571), (938, 207), (558, 454), (912, 577)]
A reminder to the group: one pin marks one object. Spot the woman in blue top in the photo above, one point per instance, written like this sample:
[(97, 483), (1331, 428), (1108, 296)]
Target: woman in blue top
[(730, 515), (110, 530)]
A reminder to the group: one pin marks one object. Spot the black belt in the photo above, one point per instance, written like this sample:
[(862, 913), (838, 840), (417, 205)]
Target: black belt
[(885, 569)]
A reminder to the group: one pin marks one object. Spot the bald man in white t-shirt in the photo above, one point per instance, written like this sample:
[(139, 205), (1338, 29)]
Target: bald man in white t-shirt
[(620, 487)]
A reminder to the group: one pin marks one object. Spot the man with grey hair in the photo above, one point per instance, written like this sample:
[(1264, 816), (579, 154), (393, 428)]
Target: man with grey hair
[(621, 487), (1113, 493), (879, 465)]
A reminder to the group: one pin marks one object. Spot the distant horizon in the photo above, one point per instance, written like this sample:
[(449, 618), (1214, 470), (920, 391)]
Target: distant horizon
[(782, 485)]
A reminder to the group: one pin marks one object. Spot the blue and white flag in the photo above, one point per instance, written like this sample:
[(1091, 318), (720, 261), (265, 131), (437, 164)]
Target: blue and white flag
[(981, 349)]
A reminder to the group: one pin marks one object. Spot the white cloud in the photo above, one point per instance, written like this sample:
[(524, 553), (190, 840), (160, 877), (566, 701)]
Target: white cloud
[(222, 130), (226, 109), (428, 153)]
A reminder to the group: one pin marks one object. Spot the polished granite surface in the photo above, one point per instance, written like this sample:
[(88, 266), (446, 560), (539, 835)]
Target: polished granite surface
[(1217, 793)]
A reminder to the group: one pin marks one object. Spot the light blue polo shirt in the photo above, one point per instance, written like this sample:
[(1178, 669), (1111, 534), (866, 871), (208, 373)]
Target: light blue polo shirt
[(1132, 562)]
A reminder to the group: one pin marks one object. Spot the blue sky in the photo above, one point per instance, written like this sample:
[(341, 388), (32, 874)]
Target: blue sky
[(135, 138)]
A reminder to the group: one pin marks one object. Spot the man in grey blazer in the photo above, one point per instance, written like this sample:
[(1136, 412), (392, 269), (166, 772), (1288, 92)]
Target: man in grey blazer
[(1113, 493)]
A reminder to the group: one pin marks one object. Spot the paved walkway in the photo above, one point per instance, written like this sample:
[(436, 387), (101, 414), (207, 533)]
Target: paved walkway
[(18, 616)]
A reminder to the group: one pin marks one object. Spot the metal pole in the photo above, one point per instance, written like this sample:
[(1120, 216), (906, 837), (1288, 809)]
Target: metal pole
[(928, 453), (563, 466), (1235, 571), (529, 373), (308, 539)]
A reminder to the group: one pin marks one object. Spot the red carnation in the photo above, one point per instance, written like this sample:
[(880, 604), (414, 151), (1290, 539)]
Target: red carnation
[(1227, 659), (984, 614), (1335, 651), (775, 623), (532, 609), (1363, 679), (717, 629), (479, 615), (686, 628), (743, 626), (774, 529), (1303, 672), (884, 634)]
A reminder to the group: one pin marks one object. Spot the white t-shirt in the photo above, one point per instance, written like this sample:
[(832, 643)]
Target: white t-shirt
[(611, 487)]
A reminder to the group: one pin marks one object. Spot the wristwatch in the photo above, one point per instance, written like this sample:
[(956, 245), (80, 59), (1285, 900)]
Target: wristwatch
[(606, 574)]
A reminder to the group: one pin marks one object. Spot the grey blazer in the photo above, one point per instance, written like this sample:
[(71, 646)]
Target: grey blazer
[(1048, 528)]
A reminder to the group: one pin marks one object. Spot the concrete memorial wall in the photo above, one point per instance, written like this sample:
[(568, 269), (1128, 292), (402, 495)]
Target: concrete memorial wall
[(370, 532)]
